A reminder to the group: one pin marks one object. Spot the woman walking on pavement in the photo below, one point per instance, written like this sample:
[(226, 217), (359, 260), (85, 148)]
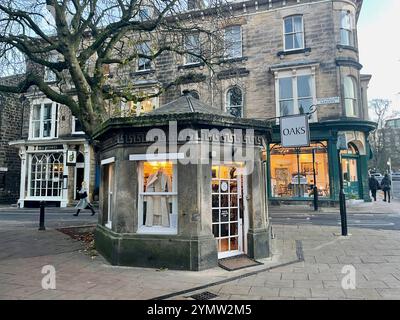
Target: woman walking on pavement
[(83, 202), (386, 186)]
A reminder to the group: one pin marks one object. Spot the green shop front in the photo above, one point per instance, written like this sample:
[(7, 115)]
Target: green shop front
[(291, 171)]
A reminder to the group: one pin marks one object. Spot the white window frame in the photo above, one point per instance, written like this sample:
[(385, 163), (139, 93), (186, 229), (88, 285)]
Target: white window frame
[(227, 100), (48, 174), (49, 75), (348, 29), (226, 50), (353, 99), (294, 73), (293, 33), (188, 56), (73, 126), (142, 59), (110, 163), (54, 120), (142, 228)]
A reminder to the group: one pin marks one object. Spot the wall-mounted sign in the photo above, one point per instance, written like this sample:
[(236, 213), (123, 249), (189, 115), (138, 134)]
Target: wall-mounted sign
[(342, 141), (295, 131), (330, 100), (71, 157)]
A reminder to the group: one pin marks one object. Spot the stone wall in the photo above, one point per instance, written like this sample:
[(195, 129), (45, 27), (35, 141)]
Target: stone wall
[(11, 111)]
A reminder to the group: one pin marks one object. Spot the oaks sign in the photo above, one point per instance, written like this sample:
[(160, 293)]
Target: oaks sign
[(295, 131)]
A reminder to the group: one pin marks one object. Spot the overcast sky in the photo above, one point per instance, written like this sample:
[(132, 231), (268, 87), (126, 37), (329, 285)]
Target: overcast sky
[(379, 45)]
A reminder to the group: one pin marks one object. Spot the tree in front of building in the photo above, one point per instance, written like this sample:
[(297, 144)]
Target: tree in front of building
[(81, 53), (381, 110)]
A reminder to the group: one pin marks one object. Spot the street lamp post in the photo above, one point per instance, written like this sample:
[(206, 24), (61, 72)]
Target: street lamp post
[(342, 145), (315, 188)]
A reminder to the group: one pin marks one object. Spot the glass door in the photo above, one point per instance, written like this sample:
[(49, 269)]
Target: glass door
[(227, 210)]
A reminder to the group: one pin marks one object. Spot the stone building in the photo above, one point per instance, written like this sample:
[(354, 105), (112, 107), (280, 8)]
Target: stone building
[(281, 58), (284, 58), (11, 113), (49, 134)]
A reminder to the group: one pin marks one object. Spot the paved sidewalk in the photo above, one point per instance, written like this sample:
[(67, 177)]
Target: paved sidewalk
[(378, 207), (374, 253)]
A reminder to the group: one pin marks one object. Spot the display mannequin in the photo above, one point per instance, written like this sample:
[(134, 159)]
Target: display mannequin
[(157, 213)]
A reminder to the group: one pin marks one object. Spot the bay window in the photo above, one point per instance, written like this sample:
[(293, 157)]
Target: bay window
[(295, 91), (293, 33), (350, 97), (44, 121), (346, 28)]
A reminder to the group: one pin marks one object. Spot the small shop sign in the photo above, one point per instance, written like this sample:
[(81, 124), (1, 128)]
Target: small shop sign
[(295, 131), (71, 157)]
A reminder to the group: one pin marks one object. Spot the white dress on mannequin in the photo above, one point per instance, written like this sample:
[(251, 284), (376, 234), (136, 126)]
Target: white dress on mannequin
[(157, 213)]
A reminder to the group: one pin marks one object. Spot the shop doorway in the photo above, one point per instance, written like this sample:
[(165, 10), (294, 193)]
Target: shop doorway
[(79, 174), (228, 218), (108, 193), (351, 174)]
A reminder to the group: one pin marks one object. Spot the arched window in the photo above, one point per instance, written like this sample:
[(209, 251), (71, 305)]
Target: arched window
[(350, 97), (234, 101)]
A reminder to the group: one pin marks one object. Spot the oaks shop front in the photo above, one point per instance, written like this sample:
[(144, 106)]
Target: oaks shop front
[(182, 187), (292, 172)]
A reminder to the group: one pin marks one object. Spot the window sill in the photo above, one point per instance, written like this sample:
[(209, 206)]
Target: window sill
[(191, 65), (297, 51), (342, 47), (233, 60), (142, 72)]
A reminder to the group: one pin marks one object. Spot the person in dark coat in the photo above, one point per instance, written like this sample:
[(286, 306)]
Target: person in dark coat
[(386, 186), (84, 201), (373, 186)]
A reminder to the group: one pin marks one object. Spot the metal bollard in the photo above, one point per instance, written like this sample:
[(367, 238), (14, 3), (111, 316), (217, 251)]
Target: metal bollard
[(41, 219)]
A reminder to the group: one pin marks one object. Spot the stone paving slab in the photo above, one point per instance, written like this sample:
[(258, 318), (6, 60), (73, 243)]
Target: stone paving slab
[(373, 253)]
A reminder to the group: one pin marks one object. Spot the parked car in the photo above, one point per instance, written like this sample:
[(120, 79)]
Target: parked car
[(378, 176)]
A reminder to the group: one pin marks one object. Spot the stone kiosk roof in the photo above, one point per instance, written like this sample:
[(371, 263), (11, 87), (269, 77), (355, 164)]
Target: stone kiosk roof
[(186, 110)]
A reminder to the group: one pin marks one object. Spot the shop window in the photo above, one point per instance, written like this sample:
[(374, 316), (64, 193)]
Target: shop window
[(192, 46), (157, 197), (234, 101), (293, 33), (233, 42), (44, 121), (292, 171), (350, 97), (2, 180), (346, 28), (46, 175)]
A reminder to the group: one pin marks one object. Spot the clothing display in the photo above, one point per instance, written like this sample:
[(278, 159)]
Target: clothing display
[(157, 212)]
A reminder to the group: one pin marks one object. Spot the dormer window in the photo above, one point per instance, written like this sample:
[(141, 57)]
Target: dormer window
[(293, 33)]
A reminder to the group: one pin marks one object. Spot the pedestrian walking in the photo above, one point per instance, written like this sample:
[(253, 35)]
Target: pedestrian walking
[(373, 186), (386, 186), (84, 201)]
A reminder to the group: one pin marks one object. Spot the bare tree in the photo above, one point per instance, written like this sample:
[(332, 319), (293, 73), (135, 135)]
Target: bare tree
[(381, 109), (76, 43)]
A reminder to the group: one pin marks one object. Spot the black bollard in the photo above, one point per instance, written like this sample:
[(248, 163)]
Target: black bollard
[(41, 220)]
